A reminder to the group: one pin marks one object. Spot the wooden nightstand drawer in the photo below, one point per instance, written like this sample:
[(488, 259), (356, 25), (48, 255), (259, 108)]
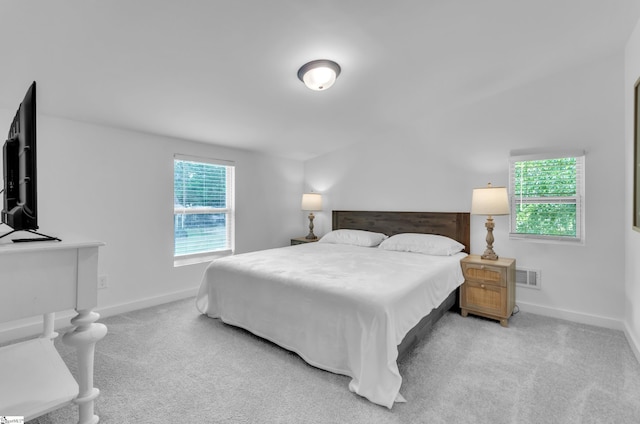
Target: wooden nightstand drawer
[(485, 298), (485, 274)]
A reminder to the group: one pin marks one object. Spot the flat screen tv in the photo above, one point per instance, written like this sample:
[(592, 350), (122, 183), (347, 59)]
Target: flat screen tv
[(19, 164)]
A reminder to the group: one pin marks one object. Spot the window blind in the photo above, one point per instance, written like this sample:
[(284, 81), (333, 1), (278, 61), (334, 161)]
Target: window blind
[(203, 206), (547, 197)]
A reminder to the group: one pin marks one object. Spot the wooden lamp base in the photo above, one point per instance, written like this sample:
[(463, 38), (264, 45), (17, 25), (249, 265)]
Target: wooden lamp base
[(489, 253), (311, 236)]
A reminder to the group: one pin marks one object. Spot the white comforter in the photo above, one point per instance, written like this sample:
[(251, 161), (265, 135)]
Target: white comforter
[(342, 308)]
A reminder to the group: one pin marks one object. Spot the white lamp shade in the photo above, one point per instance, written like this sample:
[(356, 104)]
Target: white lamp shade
[(312, 202), (490, 201)]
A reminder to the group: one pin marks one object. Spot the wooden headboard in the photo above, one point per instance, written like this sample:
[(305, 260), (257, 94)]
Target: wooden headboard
[(451, 224)]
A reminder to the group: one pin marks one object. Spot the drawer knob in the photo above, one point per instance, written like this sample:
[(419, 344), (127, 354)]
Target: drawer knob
[(481, 266), (481, 285)]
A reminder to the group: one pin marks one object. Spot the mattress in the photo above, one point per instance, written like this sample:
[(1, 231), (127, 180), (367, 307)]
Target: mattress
[(342, 308)]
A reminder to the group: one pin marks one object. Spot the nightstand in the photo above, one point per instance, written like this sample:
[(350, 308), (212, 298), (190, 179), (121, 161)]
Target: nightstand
[(489, 288), (302, 240)]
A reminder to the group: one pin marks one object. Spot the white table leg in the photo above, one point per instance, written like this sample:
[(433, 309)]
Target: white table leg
[(48, 321), (84, 338)]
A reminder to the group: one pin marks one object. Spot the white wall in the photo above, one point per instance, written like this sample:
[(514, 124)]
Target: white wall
[(632, 238), (435, 163), (117, 186)]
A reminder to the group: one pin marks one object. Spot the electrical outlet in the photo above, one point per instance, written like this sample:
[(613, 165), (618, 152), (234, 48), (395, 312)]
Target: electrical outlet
[(102, 282)]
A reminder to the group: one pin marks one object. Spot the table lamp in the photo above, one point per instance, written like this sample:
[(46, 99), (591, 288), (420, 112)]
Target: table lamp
[(311, 202), (490, 201)]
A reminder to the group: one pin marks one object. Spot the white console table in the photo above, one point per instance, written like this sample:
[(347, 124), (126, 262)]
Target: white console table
[(41, 278)]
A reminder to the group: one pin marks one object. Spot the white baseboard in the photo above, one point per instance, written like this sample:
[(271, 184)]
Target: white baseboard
[(633, 341), (122, 308), (579, 317), (31, 327), (589, 319)]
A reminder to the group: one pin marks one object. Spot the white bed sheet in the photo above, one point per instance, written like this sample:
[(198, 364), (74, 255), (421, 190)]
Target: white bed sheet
[(342, 308)]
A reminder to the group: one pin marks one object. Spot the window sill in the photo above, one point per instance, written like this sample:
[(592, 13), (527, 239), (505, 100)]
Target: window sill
[(199, 258), (548, 240)]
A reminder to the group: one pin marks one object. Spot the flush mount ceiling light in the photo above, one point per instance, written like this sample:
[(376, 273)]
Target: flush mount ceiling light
[(319, 75)]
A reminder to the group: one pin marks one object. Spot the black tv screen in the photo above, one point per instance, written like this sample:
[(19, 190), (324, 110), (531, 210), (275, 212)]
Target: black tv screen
[(20, 207)]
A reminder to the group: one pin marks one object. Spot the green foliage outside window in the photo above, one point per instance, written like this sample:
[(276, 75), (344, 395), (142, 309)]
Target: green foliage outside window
[(201, 215), (198, 184), (546, 219), (546, 196)]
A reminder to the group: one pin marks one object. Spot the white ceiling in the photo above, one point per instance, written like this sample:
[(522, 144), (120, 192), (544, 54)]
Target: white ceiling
[(224, 71)]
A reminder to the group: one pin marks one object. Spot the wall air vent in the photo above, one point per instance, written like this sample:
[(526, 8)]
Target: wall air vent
[(529, 278)]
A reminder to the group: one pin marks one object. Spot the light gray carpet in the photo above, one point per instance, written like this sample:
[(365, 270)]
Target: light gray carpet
[(168, 364)]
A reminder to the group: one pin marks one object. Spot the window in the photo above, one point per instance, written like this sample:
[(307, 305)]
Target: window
[(203, 208), (547, 197)]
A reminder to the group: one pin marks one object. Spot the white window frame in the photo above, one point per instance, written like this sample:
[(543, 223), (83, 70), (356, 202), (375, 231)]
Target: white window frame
[(180, 260), (578, 199)]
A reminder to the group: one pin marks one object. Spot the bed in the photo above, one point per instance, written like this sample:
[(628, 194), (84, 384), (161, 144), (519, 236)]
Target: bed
[(342, 307)]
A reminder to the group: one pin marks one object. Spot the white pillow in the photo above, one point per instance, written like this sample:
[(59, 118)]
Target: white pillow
[(430, 244), (354, 237)]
